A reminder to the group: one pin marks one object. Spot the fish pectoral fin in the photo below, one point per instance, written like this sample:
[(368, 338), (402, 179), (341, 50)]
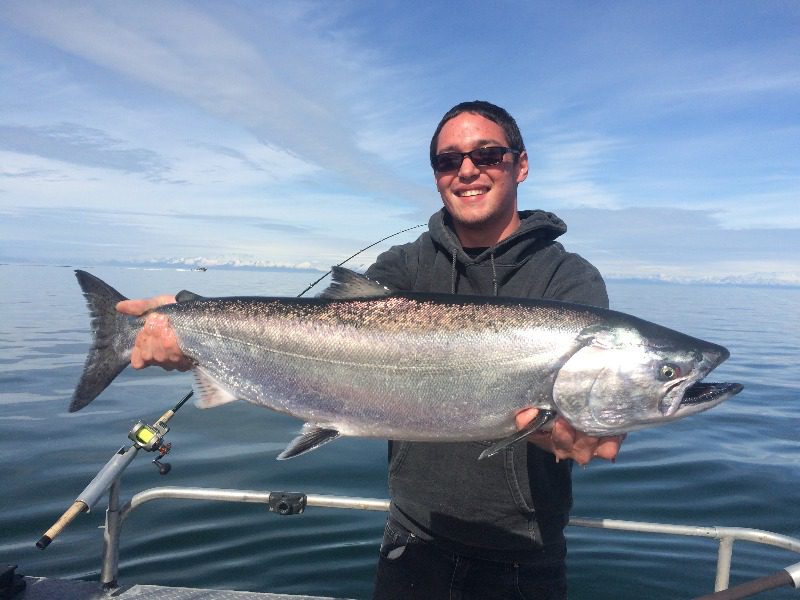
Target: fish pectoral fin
[(542, 419), (209, 392), (311, 438)]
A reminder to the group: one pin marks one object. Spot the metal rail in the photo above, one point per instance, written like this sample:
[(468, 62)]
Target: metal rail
[(726, 536), (151, 439), (288, 503)]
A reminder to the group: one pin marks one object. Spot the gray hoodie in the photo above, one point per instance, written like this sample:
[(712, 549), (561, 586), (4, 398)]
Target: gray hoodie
[(514, 505)]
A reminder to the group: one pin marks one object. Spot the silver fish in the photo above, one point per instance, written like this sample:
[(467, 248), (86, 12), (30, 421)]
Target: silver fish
[(363, 360)]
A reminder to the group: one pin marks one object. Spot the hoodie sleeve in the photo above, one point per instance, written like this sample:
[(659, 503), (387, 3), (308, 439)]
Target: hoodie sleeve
[(392, 269), (577, 280)]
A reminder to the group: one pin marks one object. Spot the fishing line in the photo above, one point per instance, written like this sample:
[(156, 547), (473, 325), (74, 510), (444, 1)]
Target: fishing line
[(359, 252), (329, 272)]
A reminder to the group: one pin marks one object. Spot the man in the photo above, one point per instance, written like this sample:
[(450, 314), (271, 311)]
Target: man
[(458, 527)]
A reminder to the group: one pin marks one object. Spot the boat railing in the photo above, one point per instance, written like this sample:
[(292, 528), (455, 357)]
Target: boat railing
[(288, 503), (150, 438)]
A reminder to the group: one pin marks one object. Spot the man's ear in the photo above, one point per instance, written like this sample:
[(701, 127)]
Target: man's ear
[(522, 166)]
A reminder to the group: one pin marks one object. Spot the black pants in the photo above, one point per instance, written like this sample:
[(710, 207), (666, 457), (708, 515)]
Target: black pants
[(410, 569)]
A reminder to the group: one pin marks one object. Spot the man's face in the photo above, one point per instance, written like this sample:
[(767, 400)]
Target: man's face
[(481, 200)]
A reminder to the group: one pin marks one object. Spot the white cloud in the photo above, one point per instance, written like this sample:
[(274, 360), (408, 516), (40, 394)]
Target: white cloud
[(82, 146), (567, 169), (293, 86), (297, 131)]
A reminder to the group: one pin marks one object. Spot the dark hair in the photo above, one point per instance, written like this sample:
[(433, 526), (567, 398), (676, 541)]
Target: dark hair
[(486, 110)]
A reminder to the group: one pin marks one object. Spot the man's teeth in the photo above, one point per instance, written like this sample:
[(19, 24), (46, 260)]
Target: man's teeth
[(471, 193)]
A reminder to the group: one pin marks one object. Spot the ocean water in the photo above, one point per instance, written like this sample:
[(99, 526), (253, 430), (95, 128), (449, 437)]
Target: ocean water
[(736, 465)]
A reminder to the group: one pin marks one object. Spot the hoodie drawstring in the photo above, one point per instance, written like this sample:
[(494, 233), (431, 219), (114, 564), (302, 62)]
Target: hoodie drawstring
[(453, 272), (494, 273)]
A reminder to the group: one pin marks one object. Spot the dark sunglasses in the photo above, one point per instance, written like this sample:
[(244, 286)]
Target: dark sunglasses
[(480, 157)]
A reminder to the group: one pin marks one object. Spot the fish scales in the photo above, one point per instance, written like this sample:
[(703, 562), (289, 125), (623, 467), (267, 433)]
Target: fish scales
[(415, 364)]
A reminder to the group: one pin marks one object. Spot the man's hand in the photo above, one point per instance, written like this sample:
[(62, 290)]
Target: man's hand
[(156, 343), (566, 442)]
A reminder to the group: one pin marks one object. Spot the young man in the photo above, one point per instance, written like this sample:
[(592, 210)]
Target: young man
[(458, 527)]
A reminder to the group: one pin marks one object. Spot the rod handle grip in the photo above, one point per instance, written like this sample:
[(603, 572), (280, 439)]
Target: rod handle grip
[(69, 515)]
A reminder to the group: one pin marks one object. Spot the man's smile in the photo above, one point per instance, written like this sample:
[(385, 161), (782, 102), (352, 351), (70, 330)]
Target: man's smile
[(472, 192)]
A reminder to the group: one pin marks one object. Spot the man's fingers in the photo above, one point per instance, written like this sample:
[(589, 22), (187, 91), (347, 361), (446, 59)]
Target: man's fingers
[(582, 448), (564, 436), (156, 344), (565, 442), (525, 416), (138, 307), (608, 447), (132, 307)]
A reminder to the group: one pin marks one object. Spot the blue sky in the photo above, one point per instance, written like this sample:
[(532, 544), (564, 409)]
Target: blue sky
[(666, 134)]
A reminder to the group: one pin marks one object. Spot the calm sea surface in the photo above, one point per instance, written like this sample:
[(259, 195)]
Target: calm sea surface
[(737, 465)]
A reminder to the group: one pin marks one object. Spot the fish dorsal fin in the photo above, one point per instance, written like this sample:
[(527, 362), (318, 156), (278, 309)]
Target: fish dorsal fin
[(209, 392), (312, 437), (347, 284), (187, 296)]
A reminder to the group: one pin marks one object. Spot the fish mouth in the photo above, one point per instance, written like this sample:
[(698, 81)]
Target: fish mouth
[(703, 393)]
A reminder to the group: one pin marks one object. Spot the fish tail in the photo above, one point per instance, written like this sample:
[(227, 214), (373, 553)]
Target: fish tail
[(113, 334)]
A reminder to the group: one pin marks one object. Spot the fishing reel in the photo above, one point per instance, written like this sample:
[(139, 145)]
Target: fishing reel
[(150, 438)]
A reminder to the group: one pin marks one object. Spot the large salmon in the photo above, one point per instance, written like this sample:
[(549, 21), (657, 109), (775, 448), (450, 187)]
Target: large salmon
[(363, 360)]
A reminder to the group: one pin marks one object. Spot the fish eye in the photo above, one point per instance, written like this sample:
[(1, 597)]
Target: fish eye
[(668, 372)]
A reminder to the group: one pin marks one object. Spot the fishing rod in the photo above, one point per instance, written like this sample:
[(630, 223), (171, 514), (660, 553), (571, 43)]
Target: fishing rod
[(359, 252), (149, 438)]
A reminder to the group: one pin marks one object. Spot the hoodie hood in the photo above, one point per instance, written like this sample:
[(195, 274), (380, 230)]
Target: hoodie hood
[(488, 272), (536, 227), (530, 263)]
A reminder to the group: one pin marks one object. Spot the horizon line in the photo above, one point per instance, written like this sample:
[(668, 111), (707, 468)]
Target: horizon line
[(725, 280)]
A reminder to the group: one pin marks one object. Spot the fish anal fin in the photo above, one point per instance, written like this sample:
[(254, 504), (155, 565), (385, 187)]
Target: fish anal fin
[(542, 419), (209, 392), (312, 437)]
